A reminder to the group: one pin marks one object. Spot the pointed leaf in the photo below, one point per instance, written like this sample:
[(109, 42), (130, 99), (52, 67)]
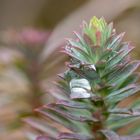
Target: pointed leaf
[(110, 135), (119, 56), (123, 73), (59, 119), (116, 41), (73, 104), (122, 94), (45, 138), (125, 112), (70, 115), (41, 126), (133, 137), (74, 136)]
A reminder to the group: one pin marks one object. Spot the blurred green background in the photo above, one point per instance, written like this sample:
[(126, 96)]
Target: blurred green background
[(58, 18)]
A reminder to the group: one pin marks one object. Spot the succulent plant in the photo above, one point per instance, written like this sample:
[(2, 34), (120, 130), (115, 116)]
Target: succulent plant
[(100, 75)]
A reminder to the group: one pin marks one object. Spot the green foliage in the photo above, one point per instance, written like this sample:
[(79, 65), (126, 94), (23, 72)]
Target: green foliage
[(100, 75)]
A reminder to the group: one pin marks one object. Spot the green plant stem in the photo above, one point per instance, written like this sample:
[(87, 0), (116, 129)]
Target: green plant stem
[(101, 115)]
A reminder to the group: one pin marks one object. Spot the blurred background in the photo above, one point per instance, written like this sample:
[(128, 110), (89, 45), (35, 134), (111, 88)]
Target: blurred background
[(31, 35)]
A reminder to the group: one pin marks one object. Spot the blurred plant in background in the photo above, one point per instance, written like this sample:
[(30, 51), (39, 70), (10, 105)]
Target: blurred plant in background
[(22, 76)]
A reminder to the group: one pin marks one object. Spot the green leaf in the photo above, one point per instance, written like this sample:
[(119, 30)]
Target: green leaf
[(121, 94), (115, 122), (73, 104), (42, 126), (110, 135), (59, 119), (133, 78), (131, 137), (71, 114), (119, 56), (116, 42), (123, 73), (124, 112), (45, 138), (74, 136)]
